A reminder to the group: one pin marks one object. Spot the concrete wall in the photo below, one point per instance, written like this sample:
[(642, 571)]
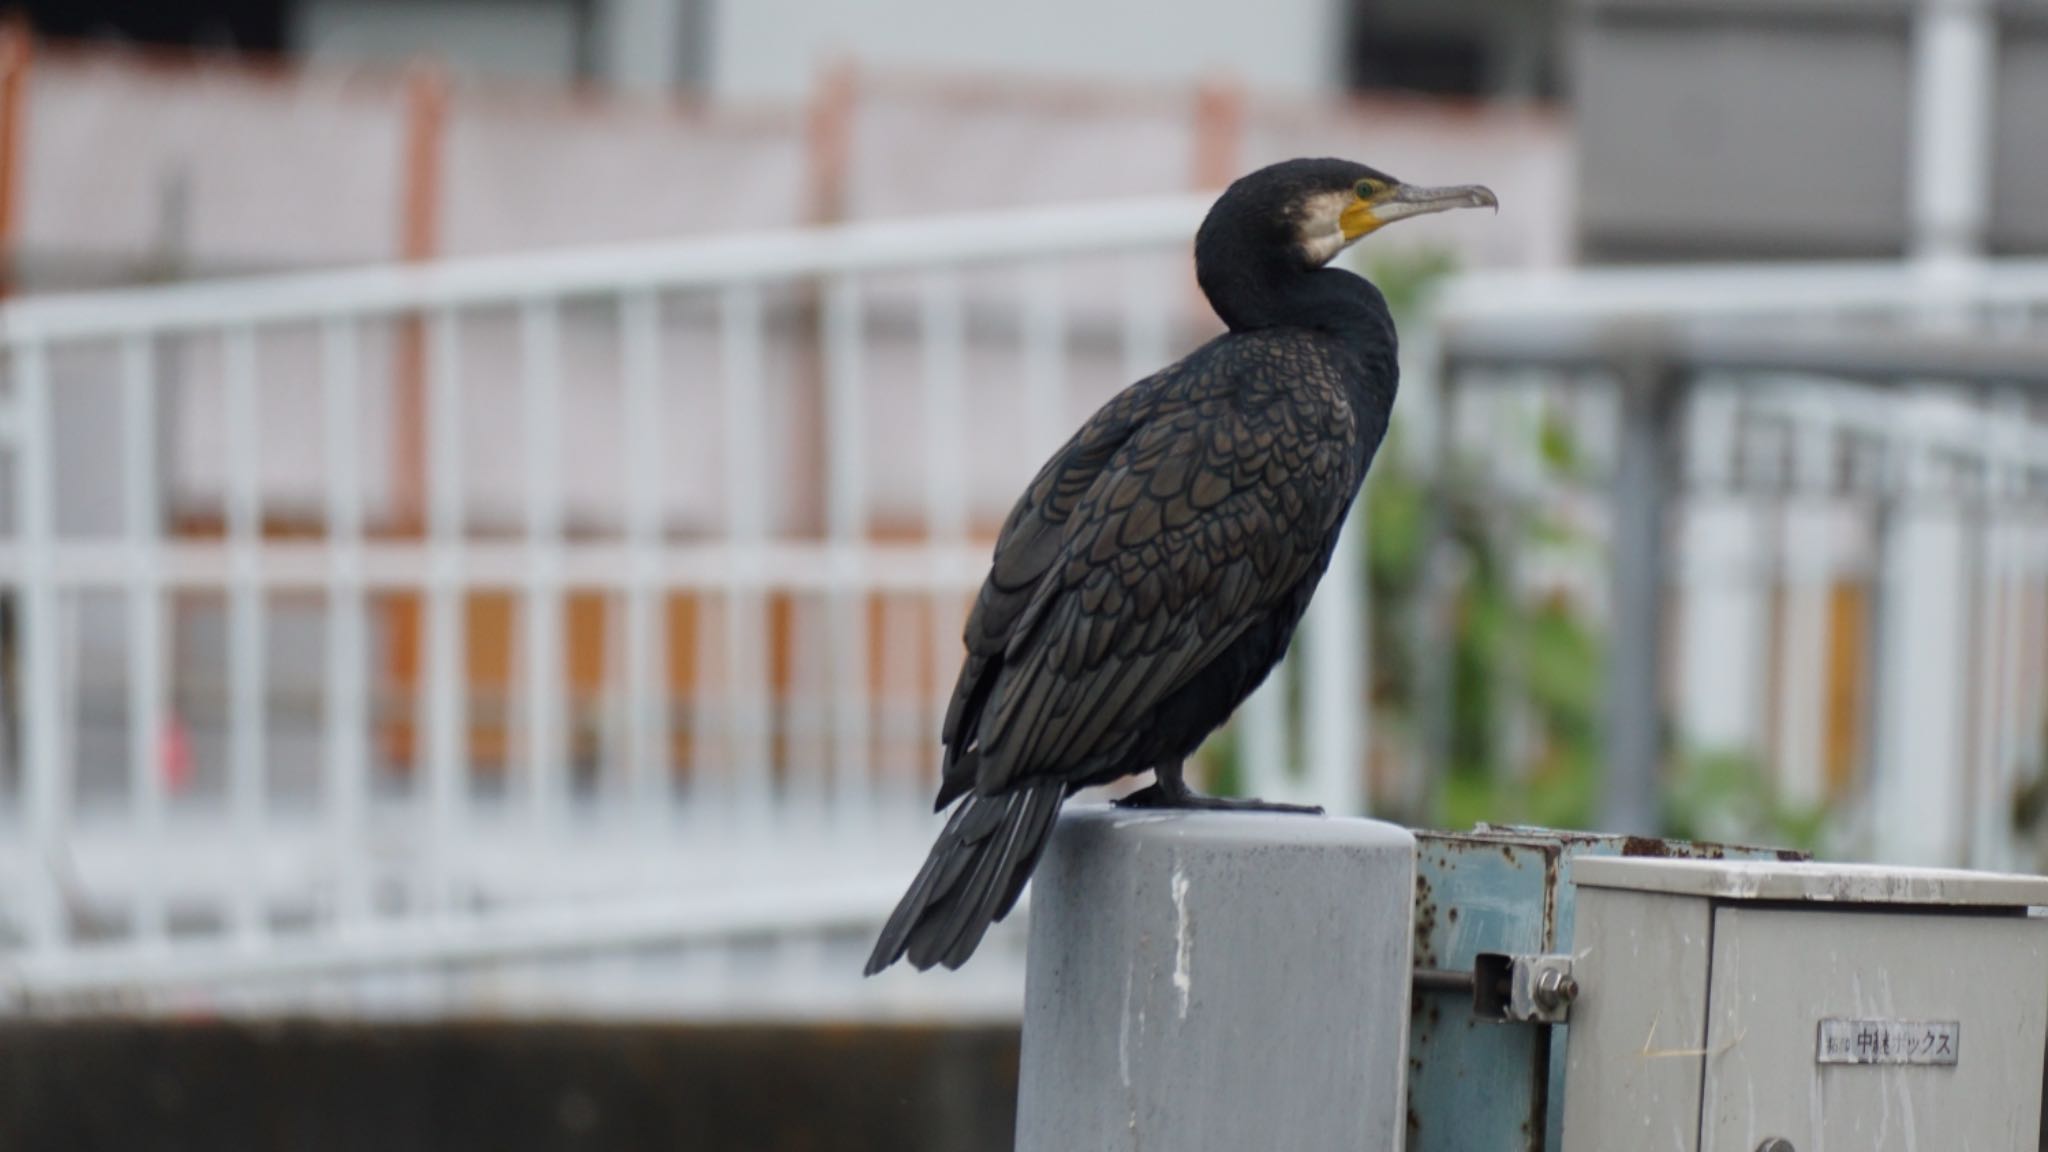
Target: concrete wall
[(1743, 131), (1720, 129)]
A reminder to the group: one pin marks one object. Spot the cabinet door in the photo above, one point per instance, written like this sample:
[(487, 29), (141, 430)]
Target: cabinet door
[(1778, 972)]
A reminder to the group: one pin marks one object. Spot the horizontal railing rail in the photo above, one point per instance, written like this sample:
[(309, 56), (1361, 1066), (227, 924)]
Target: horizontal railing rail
[(756, 258)]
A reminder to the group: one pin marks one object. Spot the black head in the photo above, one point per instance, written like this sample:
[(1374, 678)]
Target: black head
[(1293, 217), (1318, 208)]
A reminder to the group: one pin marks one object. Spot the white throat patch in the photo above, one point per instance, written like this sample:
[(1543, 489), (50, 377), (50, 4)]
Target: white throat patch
[(1321, 233)]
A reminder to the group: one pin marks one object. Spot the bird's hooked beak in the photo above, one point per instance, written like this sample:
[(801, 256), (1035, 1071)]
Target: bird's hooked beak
[(1388, 203)]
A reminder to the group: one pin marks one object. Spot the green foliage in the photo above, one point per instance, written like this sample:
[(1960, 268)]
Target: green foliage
[(1727, 796), (1530, 665), (1221, 762), (1397, 510), (1405, 274), (1557, 446), (1544, 659), (1539, 659)]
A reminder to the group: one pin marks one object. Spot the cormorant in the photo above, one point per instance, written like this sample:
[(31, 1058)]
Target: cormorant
[(1154, 571)]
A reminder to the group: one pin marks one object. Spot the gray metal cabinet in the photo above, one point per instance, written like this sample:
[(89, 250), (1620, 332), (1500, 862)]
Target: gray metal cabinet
[(1728, 1005)]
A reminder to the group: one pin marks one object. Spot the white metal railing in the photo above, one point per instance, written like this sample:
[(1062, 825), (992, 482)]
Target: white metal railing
[(1945, 539), (802, 808), (782, 797)]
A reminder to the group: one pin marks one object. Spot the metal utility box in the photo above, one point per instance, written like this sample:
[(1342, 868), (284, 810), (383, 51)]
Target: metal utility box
[(1500, 889), (1736, 1006)]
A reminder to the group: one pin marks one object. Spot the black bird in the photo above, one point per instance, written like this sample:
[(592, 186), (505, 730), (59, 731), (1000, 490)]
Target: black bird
[(1155, 569)]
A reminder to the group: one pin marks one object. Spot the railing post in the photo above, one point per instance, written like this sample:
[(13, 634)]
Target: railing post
[(1649, 392), (346, 704), (1433, 627), (248, 627), (1217, 981), (1919, 813), (1337, 700), (147, 644), (46, 775)]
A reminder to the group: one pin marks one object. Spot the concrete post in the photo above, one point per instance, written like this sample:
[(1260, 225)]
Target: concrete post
[(1221, 981)]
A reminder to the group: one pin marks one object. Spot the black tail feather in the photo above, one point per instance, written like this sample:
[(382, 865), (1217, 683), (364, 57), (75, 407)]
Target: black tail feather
[(972, 878)]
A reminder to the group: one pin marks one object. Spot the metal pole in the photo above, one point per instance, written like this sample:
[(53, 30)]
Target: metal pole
[(1217, 981), (1955, 65), (1435, 630), (1635, 670)]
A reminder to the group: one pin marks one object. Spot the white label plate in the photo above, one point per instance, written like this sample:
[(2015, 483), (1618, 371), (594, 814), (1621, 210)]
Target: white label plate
[(1846, 1041)]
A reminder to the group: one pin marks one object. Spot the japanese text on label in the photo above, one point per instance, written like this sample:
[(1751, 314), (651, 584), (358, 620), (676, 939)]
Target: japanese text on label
[(1844, 1041)]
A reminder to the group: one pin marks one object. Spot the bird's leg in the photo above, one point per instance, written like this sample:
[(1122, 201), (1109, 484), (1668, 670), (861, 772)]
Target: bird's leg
[(1169, 790)]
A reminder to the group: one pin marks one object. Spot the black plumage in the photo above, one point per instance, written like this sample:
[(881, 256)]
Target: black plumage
[(1155, 569)]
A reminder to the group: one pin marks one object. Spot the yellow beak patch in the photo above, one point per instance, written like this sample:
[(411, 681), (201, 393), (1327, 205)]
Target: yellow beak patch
[(1357, 219)]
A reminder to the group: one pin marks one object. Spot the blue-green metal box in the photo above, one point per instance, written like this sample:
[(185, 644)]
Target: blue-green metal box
[(1476, 1085)]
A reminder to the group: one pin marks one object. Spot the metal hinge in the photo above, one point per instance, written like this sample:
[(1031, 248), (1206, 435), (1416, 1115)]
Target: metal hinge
[(1536, 989)]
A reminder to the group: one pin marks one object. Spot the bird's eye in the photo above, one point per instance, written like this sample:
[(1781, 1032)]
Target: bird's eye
[(1367, 189)]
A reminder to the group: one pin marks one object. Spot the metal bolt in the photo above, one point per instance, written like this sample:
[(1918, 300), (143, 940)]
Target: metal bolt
[(1775, 1144), (1554, 988)]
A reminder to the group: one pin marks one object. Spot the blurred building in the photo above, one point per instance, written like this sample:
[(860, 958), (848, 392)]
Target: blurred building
[(1811, 129), (776, 48)]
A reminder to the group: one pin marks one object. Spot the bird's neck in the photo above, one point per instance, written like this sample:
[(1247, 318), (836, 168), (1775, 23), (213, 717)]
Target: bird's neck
[(1258, 288), (1257, 295)]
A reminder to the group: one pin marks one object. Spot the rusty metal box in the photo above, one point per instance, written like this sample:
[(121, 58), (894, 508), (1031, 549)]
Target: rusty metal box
[(1475, 1083)]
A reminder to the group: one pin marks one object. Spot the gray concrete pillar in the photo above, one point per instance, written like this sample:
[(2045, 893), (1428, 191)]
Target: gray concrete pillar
[(1217, 981), (1632, 799)]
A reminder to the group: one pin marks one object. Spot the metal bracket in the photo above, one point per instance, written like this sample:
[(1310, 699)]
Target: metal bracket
[(1523, 989)]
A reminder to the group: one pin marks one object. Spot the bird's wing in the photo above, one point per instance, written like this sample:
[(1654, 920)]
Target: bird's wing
[(1125, 579), (1025, 551)]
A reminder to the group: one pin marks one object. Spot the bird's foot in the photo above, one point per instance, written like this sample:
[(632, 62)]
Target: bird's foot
[(1148, 797), (1247, 804), (1153, 797)]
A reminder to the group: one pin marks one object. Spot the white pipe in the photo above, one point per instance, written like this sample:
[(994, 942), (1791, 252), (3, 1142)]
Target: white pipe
[(1955, 62)]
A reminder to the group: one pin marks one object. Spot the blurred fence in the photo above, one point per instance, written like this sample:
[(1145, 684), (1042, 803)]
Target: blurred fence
[(1808, 508), (570, 630), (488, 610)]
